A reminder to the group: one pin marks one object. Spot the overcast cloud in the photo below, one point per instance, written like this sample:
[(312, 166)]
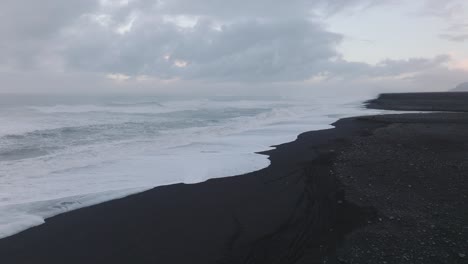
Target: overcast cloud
[(246, 42)]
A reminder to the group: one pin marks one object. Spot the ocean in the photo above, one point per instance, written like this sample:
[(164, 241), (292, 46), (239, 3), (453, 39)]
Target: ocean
[(60, 153)]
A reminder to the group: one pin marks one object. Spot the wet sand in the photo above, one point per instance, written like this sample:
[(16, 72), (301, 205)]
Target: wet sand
[(384, 189)]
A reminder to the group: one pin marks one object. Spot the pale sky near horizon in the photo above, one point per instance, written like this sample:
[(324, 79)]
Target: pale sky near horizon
[(230, 47)]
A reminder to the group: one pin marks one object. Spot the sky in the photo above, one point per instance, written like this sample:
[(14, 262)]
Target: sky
[(221, 47)]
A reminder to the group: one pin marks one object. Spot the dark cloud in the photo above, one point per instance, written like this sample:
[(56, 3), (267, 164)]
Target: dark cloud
[(224, 41), (242, 46), (252, 50), (246, 8), (39, 19), (27, 28)]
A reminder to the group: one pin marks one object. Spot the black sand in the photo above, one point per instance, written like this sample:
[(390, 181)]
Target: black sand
[(387, 189), (451, 101)]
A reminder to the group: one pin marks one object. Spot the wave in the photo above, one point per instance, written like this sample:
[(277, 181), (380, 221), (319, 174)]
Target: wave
[(144, 103), (155, 107), (77, 109), (15, 218), (124, 128)]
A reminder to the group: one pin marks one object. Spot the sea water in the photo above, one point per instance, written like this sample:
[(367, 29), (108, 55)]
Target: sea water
[(60, 153)]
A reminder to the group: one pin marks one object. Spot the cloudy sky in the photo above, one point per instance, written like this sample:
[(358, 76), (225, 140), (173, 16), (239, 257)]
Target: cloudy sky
[(230, 47)]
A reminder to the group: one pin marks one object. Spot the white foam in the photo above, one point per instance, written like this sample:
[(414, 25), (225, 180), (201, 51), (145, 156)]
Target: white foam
[(75, 109), (75, 176), (15, 218)]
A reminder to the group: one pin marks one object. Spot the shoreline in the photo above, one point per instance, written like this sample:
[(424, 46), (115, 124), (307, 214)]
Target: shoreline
[(298, 210)]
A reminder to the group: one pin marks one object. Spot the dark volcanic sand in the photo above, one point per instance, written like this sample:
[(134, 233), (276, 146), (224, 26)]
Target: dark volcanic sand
[(387, 189), (414, 172), (452, 101)]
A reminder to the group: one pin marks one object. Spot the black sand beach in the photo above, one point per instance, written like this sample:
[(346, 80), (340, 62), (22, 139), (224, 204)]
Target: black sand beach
[(382, 189), (442, 101)]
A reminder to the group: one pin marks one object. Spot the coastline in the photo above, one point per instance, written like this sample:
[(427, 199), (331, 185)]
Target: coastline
[(319, 189), (435, 101)]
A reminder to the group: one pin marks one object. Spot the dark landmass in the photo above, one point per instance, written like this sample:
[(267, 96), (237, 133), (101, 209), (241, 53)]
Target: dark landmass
[(452, 101), (379, 189)]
